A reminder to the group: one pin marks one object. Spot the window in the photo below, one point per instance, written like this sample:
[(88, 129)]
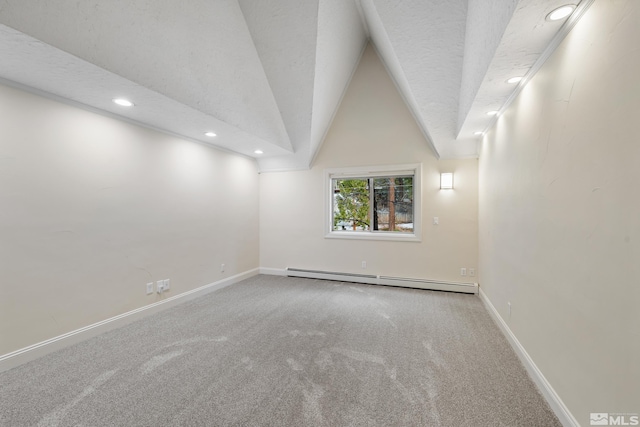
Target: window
[(380, 203)]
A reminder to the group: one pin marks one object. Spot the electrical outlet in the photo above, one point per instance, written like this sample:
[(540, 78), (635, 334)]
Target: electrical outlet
[(159, 286), (463, 271), (222, 268), (149, 288), (436, 220), (166, 285), (509, 305), (364, 264), (472, 272)]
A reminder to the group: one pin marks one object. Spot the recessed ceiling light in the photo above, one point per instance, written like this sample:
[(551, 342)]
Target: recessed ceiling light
[(479, 133), (514, 80), (210, 134), (492, 113), (259, 152), (123, 102), (561, 12)]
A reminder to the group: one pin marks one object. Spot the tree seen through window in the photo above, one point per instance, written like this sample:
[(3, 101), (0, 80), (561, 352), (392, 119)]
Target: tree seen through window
[(373, 204)]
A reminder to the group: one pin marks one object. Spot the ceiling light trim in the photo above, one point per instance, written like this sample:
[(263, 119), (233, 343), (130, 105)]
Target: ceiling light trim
[(123, 102), (569, 8)]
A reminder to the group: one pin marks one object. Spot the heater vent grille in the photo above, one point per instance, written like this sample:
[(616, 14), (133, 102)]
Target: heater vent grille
[(407, 282)]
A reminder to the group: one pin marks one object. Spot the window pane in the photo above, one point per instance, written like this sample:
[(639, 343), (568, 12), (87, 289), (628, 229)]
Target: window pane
[(393, 204), (350, 204)]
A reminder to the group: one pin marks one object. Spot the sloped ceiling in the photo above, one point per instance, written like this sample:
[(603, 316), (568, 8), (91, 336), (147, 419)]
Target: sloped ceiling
[(269, 74)]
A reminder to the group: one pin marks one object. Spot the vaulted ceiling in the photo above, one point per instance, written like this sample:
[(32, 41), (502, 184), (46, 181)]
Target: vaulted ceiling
[(269, 74)]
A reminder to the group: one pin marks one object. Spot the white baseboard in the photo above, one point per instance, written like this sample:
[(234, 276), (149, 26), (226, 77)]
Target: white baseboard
[(26, 354), (557, 405), (273, 271)]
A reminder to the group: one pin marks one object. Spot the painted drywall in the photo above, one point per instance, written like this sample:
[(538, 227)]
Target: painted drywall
[(486, 23), (372, 127), (198, 53), (93, 208), (560, 215)]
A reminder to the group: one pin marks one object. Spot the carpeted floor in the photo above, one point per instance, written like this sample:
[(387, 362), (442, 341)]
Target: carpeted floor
[(275, 351)]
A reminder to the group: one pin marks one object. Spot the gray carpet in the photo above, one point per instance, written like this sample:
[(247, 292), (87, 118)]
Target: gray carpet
[(274, 351)]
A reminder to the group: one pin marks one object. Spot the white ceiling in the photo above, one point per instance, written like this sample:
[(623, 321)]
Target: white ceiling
[(269, 74)]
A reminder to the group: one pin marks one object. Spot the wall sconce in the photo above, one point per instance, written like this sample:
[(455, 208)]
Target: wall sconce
[(446, 181)]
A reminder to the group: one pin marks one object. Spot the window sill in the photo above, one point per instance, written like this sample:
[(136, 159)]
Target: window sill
[(367, 235)]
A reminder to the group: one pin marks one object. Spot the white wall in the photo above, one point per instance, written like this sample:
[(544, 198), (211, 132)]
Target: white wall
[(92, 208), (560, 214), (372, 127)]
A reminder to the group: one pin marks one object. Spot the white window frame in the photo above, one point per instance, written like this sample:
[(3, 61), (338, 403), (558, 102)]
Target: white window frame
[(414, 170)]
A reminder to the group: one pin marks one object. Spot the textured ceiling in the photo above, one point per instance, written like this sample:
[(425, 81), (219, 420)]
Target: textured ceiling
[(269, 74)]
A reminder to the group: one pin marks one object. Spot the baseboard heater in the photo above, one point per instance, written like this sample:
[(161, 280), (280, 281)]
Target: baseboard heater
[(436, 285)]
